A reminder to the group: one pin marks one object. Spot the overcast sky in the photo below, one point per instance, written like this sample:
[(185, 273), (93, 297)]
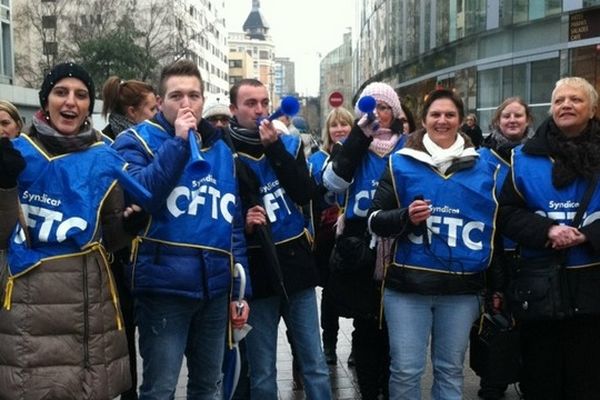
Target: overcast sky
[(304, 30)]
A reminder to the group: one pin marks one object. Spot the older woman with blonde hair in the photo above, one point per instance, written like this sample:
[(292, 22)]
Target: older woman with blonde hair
[(11, 123), (551, 174)]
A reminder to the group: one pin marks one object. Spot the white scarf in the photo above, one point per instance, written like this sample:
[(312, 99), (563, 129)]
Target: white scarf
[(441, 158)]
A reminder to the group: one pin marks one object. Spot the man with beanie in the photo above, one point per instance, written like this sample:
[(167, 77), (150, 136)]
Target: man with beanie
[(181, 272), (353, 171), (276, 184), (216, 111)]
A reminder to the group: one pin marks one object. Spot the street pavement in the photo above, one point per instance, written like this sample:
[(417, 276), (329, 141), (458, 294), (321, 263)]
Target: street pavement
[(343, 378)]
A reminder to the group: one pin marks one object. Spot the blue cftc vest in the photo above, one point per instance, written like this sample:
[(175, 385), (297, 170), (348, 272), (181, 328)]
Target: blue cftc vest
[(532, 176), (359, 196), (199, 211), (493, 157), (462, 219), (61, 198), (287, 221)]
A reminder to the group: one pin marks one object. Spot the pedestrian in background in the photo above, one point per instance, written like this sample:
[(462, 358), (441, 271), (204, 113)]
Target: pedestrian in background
[(472, 130), (181, 273), (11, 123), (408, 121), (555, 167), (216, 111), (325, 212), (512, 125), (62, 334), (356, 270), (436, 199), (278, 184), (126, 103)]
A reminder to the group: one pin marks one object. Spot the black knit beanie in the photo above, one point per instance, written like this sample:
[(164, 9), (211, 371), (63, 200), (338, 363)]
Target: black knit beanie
[(66, 70)]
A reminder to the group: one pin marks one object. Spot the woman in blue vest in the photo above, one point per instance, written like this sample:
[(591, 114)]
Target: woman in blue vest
[(354, 173), (62, 331), (550, 174), (512, 125), (436, 199), (325, 213)]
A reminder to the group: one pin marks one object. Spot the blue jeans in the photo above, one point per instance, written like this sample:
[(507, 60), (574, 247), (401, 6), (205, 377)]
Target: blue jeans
[(301, 318), (412, 319), (171, 326)]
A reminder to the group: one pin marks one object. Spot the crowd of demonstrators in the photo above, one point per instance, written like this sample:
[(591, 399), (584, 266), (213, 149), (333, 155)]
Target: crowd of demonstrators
[(435, 192), (11, 123), (181, 272), (549, 177), (62, 334), (216, 111), (472, 130), (324, 213), (275, 184), (512, 125), (354, 171)]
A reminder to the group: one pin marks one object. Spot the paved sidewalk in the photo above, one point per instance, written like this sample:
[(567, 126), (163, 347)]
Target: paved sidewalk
[(343, 378)]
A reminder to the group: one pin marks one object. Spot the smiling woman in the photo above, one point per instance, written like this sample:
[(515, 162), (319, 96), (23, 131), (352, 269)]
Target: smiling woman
[(60, 212)]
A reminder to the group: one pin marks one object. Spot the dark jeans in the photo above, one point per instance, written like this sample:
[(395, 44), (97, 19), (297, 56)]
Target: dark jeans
[(561, 359), (372, 357)]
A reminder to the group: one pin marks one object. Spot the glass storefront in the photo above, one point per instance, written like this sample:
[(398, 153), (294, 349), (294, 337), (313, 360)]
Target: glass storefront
[(485, 50)]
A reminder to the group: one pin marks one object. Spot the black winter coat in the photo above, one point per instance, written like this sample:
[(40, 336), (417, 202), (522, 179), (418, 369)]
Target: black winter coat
[(531, 230)]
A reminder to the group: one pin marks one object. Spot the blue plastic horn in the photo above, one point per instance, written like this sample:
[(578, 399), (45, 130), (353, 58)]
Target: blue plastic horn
[(131, 186), (199, 166), (367, 105), (289, 106)]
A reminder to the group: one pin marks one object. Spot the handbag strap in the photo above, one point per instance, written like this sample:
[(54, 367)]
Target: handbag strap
[(585, 201)]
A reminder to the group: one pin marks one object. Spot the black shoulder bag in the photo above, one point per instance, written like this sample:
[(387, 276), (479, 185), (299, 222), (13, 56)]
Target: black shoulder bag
[(538, 288)]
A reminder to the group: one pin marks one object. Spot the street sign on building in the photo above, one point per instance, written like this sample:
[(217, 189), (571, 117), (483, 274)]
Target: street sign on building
[(336, 99)]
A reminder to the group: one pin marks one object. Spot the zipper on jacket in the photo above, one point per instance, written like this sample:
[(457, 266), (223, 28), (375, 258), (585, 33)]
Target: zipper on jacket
[(86, 322)]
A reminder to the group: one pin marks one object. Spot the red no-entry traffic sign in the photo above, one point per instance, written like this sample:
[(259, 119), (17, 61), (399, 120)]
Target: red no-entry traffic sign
[(336, 99)]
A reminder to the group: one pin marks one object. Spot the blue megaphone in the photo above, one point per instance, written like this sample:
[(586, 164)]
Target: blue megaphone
[(289, 106), (367, 105), (134, 188), (199, 166)]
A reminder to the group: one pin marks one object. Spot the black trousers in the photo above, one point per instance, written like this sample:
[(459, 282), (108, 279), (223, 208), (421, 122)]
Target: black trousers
[(329, 320), (372, 357), (561, 359)]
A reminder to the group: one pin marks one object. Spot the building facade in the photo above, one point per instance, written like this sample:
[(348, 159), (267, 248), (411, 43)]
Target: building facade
[(485, 50), (6, 43), (284, 76), (336, 75)]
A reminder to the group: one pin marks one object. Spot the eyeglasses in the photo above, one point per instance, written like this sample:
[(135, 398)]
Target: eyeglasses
[(219, 118), (383, 107), (403, 120)]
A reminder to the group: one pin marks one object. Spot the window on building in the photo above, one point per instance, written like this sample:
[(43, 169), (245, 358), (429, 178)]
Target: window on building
[(50, 48), (264, 55), (49, 21)]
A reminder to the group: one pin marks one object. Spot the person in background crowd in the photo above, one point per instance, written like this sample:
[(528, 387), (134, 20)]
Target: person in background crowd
[(356, 272), (216, 111), (432, 191), (126, 103), (62, 335), (408, 122), (472, 130), (277, 184), (512, 125), (325, 212), (555, 166), (181, 272), (11, 123)]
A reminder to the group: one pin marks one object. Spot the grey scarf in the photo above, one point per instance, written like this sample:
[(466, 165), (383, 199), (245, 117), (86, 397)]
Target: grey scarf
[(118, 123), (57, 143)]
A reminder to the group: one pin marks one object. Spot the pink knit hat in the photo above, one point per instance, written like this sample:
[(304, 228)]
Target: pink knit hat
[(382, 92)]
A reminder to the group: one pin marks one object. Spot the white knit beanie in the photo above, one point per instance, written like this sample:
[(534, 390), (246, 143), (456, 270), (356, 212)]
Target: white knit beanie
[(216, 105), (382, 92)]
